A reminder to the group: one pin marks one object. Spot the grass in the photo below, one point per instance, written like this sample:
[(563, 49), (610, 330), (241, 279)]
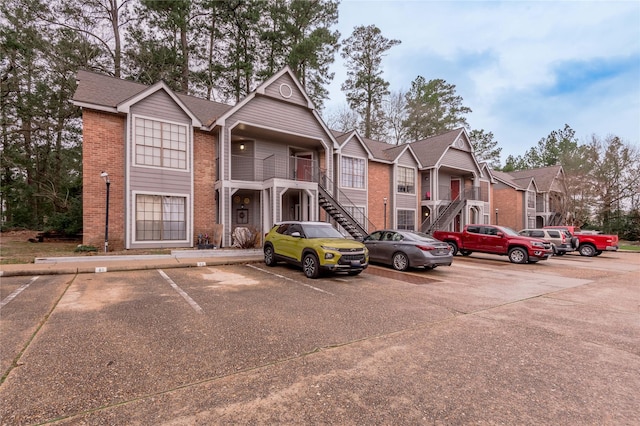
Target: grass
[(630, 246), (26, 252), (15, 248)]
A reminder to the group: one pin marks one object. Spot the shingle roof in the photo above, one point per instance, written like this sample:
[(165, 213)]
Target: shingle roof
[(430, 150), (103, 90), (380, 150), (544, 176), (506, 178)]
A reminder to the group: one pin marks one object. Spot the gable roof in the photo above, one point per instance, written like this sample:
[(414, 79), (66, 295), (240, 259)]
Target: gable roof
[(261, 90), (432, 149), (544, 176), (505, 178), (106, 93)]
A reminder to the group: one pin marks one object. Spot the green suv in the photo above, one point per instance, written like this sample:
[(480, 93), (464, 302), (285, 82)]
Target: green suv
[(316, 247)]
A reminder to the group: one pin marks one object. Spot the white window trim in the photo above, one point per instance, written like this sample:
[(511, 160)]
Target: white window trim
[(415, 212), (364, 175), (188, 150), (188, 217), (396, 181)]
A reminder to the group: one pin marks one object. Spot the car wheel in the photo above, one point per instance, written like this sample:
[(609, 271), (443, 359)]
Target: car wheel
[(269, 256), (561, 253), (454, 247), (310, 266), (518, 255), (465, 252), (400, 262), (587, 250)]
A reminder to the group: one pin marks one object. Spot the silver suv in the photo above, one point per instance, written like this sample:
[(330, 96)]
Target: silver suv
[(560, 243)]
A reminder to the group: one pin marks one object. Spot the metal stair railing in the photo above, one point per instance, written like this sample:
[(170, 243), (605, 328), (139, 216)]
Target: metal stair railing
[(337, 210), (447, 215)]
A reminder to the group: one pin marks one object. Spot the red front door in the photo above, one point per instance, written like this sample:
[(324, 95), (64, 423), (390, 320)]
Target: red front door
[(303, 167), (455, 189)]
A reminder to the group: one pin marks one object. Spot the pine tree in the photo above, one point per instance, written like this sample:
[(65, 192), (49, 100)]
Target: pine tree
[(365, 88)]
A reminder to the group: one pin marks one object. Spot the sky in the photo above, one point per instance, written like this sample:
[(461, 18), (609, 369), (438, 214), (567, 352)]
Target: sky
[(525, 68)]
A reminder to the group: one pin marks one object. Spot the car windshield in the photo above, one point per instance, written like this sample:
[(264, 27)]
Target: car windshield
[(320, 231), (509, 231), (419, 236)]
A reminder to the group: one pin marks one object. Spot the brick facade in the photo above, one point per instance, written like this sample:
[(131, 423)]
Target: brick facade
[(378, 187), (204, 202), (103, 149), (511, 207)]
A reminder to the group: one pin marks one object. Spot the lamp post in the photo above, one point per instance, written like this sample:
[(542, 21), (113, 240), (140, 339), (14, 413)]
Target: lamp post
[(496, 216), (385, 212), (105, 176)]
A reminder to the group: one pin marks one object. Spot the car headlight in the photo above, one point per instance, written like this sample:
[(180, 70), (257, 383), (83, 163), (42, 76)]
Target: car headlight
[(330, 248), (537, 244), (328, 252)]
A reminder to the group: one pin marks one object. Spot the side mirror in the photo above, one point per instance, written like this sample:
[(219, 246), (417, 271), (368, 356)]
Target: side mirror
[(295, 234), (500, 234)]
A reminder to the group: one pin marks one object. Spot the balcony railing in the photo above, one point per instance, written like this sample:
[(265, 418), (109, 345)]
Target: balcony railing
[(470, 193), (249, 168)]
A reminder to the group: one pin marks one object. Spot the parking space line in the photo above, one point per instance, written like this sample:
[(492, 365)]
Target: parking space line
[(181, 292), (13, 295), (290, 279)]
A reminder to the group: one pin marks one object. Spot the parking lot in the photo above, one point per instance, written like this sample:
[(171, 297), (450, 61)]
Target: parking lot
[(483, 341)]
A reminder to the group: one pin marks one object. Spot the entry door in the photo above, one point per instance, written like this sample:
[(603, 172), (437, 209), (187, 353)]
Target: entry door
[(303, 167), (455, 188)]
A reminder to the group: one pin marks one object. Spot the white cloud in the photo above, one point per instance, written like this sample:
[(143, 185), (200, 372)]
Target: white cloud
[(504, 58)]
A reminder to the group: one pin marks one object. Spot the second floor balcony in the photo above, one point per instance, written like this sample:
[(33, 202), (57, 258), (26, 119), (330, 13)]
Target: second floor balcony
[(469, 193), (249, 168)]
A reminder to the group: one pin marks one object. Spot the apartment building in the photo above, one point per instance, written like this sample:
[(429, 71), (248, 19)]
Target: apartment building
[(181, 167)]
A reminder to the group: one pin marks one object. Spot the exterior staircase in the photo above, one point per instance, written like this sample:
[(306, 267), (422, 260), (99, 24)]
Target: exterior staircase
[(337, 211), (446, 217)]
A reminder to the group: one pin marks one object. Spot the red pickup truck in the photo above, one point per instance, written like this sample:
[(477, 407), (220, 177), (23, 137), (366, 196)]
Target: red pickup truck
[(496, 240), (590, 243)]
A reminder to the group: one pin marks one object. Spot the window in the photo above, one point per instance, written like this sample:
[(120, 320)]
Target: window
[(406, 219), (531, 199), (160, 218), (160, 144), (352, 172), (406, 180)]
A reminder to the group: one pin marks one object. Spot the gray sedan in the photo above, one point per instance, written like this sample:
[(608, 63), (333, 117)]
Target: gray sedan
[(403, 249)]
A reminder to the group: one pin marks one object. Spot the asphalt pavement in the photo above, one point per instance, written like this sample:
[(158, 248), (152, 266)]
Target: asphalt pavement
[(220, 338)]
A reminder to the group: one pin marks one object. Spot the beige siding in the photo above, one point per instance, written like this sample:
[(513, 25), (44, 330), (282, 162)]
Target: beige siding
[(354, 149), (406, 201), (290, 118), (286, 117), (356, 196), (160, 106), (407, 160), (160, 180), (458, 159), (282, 87)]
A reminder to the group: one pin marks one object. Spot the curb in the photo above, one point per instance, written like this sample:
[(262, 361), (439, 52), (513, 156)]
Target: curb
[(92, 265)]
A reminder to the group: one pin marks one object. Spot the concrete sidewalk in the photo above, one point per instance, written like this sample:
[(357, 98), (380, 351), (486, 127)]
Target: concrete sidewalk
[(106, 263)]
